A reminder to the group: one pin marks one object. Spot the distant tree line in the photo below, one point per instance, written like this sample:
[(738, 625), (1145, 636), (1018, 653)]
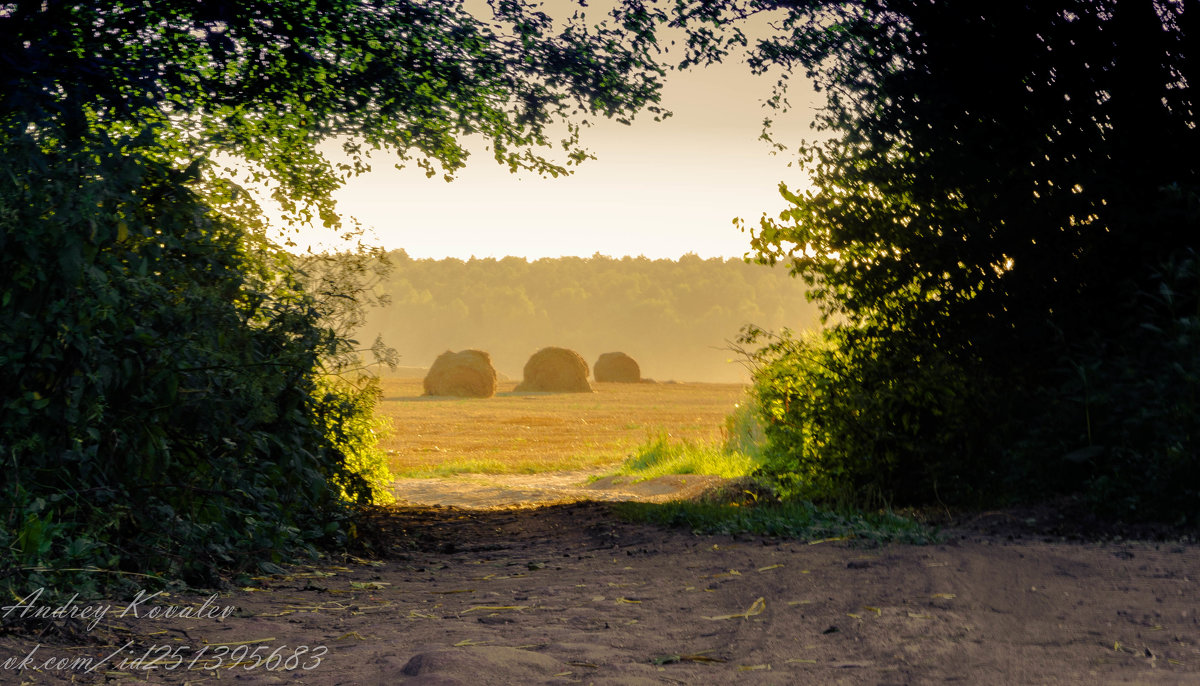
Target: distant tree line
[(675, 317)]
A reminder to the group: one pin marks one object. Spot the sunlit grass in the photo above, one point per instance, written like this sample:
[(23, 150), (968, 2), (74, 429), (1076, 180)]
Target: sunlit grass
[(661, 456), (736, 454), (744, 505)]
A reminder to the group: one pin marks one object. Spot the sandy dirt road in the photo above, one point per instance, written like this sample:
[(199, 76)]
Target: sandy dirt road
[(570, 594)]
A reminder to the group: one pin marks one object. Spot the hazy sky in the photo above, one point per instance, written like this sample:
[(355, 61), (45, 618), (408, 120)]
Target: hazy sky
[(659, 189)]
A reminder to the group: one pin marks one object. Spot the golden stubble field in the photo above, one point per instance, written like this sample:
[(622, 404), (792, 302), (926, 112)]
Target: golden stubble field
[(533, 432)]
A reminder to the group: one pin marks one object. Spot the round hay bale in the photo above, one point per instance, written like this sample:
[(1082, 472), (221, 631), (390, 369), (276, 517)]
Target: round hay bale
[(556, 370), (466, 374), (617, 367)]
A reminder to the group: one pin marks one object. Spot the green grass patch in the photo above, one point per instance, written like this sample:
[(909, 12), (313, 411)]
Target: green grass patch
[(798, 520), (746, 506), (661, 456), (743, 429)]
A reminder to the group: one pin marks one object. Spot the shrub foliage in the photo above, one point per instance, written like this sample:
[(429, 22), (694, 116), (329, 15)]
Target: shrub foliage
[(997, 194), (167, 376), (164, 412)]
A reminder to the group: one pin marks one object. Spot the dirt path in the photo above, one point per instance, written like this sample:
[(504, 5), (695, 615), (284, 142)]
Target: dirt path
[(569, 594)]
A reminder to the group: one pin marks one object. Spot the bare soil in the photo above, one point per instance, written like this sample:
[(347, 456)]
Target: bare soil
[(568, 593)]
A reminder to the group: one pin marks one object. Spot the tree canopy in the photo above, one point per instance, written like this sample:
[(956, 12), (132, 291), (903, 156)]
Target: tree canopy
[(1005, 195), (976, 157), (269, 81), (170, 389), (1013, 164)]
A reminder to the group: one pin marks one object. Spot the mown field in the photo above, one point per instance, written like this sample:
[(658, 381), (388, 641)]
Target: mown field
[(534, 432)]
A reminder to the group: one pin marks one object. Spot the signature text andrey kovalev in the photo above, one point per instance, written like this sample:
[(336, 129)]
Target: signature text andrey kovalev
[(140, 607)]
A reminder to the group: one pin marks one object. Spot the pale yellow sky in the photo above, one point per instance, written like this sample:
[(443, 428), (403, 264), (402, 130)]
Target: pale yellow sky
[(659, 189)]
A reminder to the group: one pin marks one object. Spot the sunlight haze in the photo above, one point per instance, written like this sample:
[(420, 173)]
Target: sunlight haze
[(659, 189)]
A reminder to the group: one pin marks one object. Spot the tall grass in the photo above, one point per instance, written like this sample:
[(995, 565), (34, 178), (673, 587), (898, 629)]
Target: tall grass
[(661, 456), (737, 455), (739, 508), (744, 429)]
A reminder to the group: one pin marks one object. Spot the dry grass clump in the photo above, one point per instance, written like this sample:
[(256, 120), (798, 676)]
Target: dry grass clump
[(556, 370), (466, 374), (617, 368)]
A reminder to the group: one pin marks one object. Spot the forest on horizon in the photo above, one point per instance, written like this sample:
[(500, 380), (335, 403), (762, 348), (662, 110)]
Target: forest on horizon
[(677, 318)]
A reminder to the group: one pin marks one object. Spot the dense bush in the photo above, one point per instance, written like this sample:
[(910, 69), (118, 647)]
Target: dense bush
[(1122, 416), (351, 423), (164, 411), (1115, 418), (853, 418)]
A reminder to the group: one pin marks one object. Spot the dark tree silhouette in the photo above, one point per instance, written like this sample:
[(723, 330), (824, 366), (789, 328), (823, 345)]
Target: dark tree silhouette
[(163, 371), (1000, 191)]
